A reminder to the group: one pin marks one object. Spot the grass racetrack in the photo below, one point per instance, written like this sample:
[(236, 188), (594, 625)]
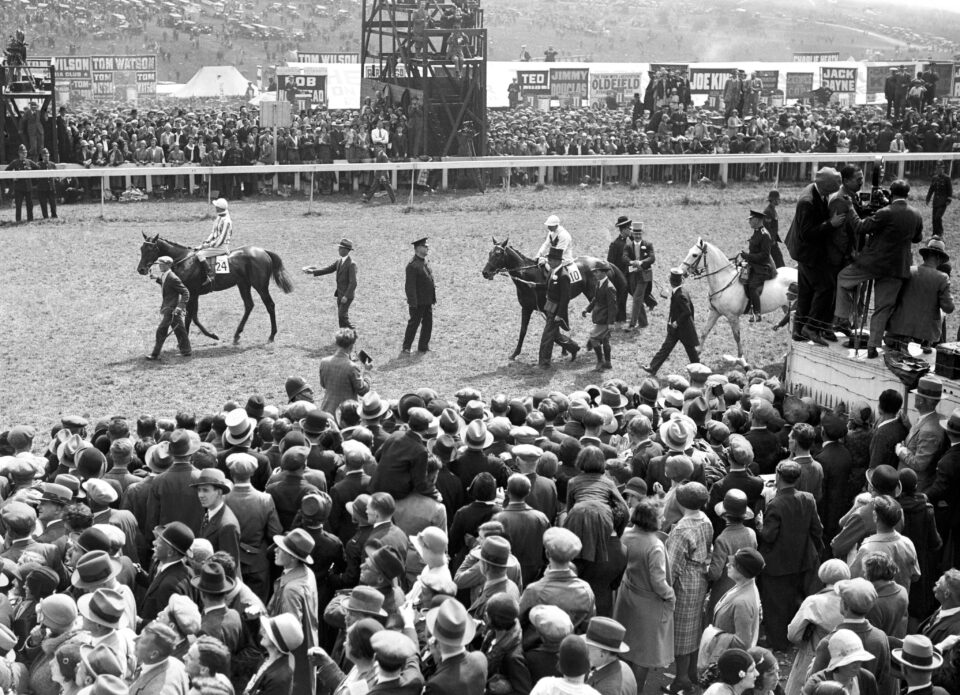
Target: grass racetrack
[(78, 319)]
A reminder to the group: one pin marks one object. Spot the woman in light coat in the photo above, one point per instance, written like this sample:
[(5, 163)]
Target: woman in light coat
[(646, 593)]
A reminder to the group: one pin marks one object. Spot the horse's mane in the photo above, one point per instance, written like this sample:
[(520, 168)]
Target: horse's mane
[(174, 243), (520, 253)]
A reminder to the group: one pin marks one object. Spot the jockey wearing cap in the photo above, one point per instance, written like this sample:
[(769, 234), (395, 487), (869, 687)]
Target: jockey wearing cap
[(218, 243), (557, 237)]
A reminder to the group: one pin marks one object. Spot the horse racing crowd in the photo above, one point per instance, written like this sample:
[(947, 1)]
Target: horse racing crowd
[(546, 543)]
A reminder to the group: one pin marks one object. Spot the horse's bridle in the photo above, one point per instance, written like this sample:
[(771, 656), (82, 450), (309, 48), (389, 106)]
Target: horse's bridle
[(511, 271), (175, 263), (705, 272)]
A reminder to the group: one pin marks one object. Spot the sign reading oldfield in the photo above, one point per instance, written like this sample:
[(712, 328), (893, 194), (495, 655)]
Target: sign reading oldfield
[(623, 85)]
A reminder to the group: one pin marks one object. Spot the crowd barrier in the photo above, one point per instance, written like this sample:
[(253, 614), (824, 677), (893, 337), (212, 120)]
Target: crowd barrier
[(690, 170)]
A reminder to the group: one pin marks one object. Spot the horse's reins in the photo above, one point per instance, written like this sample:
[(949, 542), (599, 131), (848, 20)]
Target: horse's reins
[(191, 254), (707, 273)]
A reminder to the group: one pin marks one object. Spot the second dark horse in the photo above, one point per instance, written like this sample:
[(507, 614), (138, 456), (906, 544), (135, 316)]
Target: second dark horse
[(531, 281)]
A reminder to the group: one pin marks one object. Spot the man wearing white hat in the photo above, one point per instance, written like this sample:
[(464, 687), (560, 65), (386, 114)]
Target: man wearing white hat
[(173, 308), (218, 243), (557, 237)]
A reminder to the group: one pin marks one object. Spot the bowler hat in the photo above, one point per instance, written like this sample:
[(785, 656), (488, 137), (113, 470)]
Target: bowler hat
[(178, 536), (213, 477), (255, 406), (298, 543), (884, 479), (749, 562), (606, 634), (573, 658), (315, 422), (388, 562), (212, 579), (734, 504)]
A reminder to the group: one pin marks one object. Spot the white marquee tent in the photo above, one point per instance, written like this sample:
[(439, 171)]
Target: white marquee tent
[(215, 81)]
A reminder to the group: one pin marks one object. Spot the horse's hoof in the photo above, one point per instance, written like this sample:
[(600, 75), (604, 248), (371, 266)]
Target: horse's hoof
[(236, 340), (270, 339), (514, 355), (215, 336)]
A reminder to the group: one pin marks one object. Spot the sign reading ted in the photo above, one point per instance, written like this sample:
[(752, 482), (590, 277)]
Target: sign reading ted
[(533, 81), (839, 79), (708, 80)]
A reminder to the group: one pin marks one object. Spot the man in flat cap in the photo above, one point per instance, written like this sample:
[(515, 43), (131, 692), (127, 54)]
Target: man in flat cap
[(172, 309), (421, 296), (346, 274)]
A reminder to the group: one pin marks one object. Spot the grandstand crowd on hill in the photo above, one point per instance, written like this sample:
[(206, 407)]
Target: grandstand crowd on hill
[(537, 543)]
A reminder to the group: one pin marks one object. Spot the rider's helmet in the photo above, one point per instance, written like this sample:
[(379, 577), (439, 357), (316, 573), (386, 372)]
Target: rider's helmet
[(552, 221), (220, 204)]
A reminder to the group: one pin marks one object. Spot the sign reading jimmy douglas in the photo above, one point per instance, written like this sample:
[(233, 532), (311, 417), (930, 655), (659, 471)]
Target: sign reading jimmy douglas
[(839, 79), (570, 83)]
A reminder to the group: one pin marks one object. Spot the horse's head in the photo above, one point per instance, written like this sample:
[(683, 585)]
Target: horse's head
[(496, 259), (696, 257), (149, 253)]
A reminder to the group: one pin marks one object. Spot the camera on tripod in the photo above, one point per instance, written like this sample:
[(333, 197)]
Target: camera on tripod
[(878, 197)]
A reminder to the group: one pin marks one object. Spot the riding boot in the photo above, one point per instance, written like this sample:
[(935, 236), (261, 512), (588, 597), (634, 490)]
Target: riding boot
[(606, 355), (209, 270), (598, 349)]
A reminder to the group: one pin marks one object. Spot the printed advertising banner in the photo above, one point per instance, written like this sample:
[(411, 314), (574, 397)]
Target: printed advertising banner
[(816, 57), (123, 77), (799, 84), (708, 80), (877, 76), (570, 85), (770, 79), (622, 84), (302, 86), (329, 58), (842, 80), (534, 82)]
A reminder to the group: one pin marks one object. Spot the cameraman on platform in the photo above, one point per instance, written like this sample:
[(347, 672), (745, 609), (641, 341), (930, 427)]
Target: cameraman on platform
[(842, 246), (886, 258)]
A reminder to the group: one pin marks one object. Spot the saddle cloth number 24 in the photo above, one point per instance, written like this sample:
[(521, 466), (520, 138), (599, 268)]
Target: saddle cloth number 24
[(222, 265)]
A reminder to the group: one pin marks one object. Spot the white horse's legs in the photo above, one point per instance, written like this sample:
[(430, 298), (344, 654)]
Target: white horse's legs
[(711, 322), (735, 328)]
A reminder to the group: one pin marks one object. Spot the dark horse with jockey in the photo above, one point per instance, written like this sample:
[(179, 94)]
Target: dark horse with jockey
[(531, 280), (250, 267)]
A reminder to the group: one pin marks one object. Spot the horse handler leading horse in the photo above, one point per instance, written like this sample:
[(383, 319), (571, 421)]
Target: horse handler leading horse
[(172, 309)]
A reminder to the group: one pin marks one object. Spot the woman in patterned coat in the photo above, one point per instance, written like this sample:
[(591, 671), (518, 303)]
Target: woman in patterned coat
[(688, 554)]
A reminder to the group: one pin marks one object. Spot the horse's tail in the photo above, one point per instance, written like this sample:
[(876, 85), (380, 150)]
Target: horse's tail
[(618, 279), (280, 274)]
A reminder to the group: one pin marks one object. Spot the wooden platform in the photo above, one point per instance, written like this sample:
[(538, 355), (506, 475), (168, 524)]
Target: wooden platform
[(833, 374)]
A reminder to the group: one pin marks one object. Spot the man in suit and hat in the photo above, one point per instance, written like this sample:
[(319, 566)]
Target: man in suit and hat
[(458, 671), (398, 668), (924, 296), (609, 673), (790, 537), (615, 257), (54, 500), (604, 309), (340, 376), (346, 274), (171, 497), (170, 573), (919, 659), (926, 441), (860, 522), (295, 592), (158, 673), (288, 487), (945, 621), (941, 192), (257, 514), (556, 309), (218, 524), (884, 259), (421, 296), (639, 257), (807, 241), (238, 439), (172, 309), (680, 325), (402, 460)]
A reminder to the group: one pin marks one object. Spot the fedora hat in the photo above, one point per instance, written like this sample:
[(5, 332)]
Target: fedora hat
[(239, 426), (918, 652), (495, 550), (212, 580), (606, 634), (298, 543), (184, 443), (734, 504), (475, 410), (613, 398), (94, 569), (477, 436), (103, 607), (213, 477), (372, 406), (178, 536), (678, 433), (58, 494), (930, 387), (935, 245), (158, 458), (283, 630), (100, 660), (623, 221), (108, 684), (366, 599), (451, 624), (951, 425), (345, 243)]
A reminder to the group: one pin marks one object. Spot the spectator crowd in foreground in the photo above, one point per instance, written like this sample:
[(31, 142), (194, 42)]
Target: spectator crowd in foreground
[(535, 543)]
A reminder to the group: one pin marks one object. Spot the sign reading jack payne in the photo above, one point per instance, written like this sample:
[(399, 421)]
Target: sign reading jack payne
[(839, 79)]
